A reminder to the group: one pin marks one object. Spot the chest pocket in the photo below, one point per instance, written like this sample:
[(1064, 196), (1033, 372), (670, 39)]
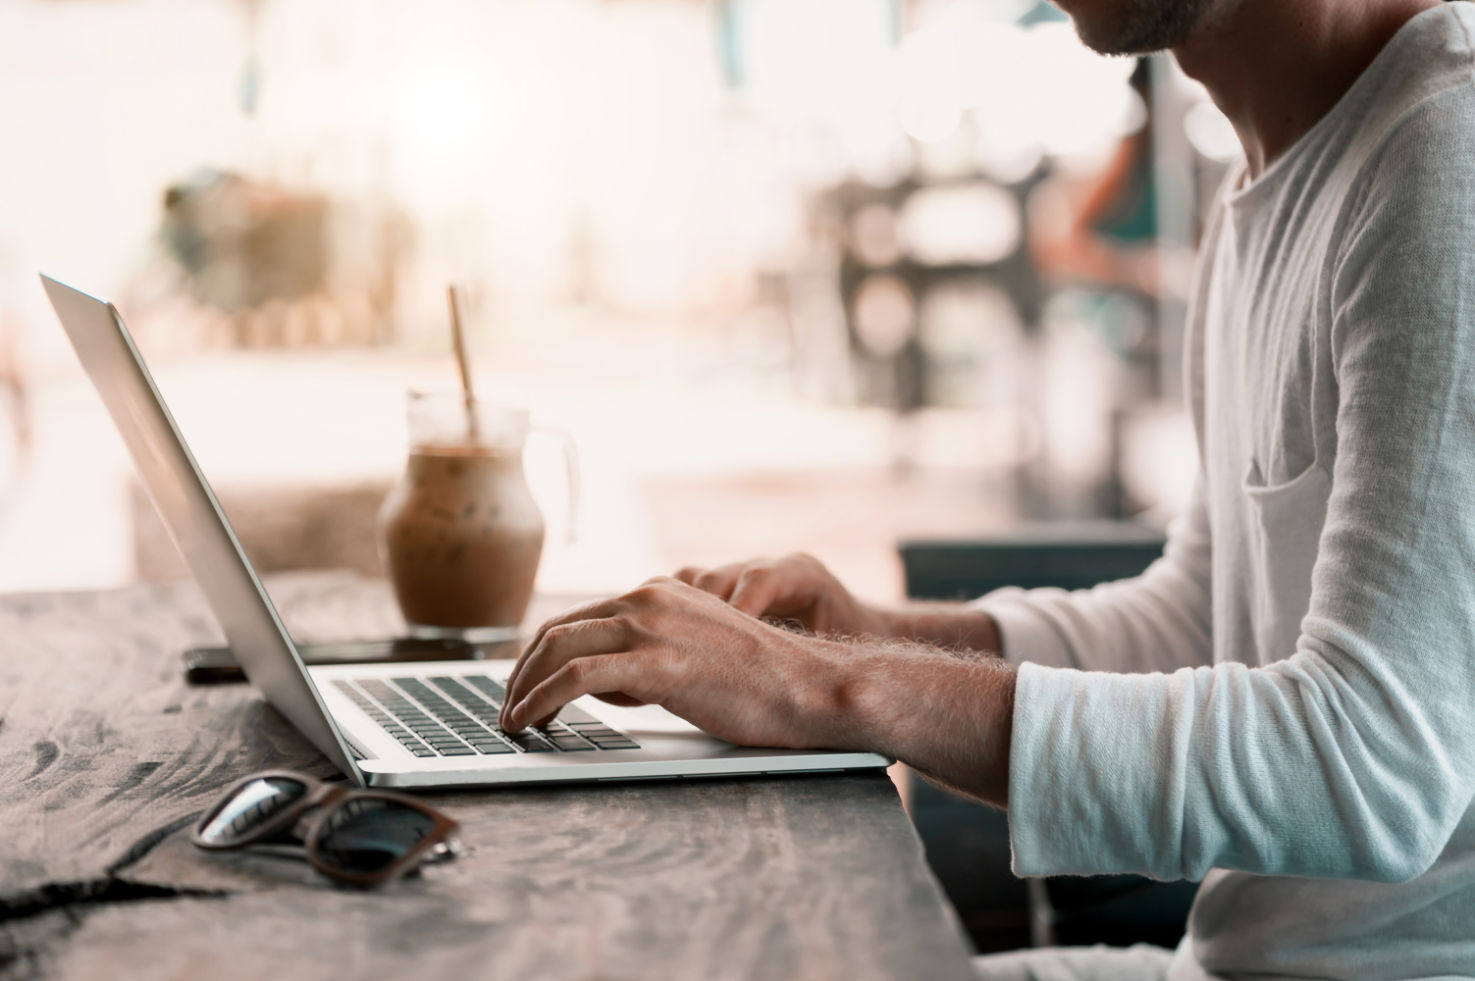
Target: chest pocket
[(1285, 522)]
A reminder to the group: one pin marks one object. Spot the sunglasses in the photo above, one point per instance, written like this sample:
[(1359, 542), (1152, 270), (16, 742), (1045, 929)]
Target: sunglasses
[(359, 837)]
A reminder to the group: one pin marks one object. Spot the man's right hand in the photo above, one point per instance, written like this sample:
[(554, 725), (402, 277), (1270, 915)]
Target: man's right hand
[(797, 588)]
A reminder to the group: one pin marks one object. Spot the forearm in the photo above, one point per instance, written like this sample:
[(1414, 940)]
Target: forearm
[(949, 717), (951, 626)]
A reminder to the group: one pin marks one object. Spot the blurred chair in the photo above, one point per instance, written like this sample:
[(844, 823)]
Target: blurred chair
[(967, 843)]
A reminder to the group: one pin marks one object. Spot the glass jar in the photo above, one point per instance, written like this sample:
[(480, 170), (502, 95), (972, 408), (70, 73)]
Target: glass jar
[(460, 533)]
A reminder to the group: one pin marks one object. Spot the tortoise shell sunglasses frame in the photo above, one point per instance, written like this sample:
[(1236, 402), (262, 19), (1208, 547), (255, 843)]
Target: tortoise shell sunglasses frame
[(326, 797)]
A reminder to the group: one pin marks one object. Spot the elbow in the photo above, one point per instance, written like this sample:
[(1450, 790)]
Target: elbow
[(1390, 831), (1409, 848)]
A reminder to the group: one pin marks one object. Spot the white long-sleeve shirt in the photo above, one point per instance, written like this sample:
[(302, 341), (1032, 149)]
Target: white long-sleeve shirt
[(1284, 705)]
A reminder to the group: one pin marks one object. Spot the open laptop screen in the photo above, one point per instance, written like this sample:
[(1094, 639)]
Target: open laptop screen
[(194, 517)]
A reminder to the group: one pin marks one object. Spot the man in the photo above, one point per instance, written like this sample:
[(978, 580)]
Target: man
[(1284, 705)]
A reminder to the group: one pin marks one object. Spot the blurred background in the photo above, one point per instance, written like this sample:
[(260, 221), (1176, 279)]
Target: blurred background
[(794, 274)]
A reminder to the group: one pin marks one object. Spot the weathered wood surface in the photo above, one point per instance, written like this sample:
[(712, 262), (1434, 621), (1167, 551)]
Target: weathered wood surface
[(106, 755)]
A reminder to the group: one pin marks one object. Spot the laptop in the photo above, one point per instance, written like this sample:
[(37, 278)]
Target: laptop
[(411, 724)]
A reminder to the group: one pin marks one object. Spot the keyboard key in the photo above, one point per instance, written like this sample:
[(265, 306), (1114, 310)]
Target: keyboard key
[(620, 744), (470, 702), (573, 715), (486, 686), (463, 715), (529, 743)]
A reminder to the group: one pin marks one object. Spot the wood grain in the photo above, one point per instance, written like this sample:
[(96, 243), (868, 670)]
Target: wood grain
[(105, 756)]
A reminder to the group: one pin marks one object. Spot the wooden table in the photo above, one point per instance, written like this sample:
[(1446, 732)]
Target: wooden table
[(106, 757)]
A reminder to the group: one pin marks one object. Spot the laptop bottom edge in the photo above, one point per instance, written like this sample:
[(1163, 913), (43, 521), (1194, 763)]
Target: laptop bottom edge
[(383, 773)]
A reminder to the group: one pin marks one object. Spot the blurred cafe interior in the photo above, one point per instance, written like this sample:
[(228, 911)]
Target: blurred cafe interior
[(794, 274), (828, 275)]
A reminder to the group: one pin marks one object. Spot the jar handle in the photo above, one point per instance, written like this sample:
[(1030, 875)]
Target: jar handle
[(570, 451)]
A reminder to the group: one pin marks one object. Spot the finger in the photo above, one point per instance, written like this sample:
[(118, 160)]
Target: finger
[(613, 697), (559, 645), (720, 581), (599, 674), (597, 610), (649, 592), (688, 573), (755, 591)]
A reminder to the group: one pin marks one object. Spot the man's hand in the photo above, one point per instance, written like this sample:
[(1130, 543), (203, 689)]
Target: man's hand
[(754, 684), (733, 675), (799, 588), (796, 587)]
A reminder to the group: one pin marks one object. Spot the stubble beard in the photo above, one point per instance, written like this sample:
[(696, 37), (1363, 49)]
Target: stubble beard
[(1142, 27)]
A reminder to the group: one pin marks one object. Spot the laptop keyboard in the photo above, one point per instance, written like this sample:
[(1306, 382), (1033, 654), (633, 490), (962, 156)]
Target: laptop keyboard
[(447, 715)]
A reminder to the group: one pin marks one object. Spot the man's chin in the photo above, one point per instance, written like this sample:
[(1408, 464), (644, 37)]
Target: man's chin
[(1103, 42), (1116, 48), (1133, 27)]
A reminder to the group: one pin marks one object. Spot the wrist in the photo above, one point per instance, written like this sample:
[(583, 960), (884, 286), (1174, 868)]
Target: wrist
[(883, 623), (947, 717), (986, 630), (948, 625), (886, 693), (864, 698)]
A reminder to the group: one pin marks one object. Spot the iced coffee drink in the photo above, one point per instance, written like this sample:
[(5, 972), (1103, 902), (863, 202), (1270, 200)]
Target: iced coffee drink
[(461, 534)]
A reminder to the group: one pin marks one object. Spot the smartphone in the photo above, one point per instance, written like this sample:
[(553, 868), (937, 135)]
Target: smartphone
[(215, 665)]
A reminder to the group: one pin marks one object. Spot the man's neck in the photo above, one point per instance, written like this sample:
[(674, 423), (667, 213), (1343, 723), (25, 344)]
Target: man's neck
[(1276, 67)]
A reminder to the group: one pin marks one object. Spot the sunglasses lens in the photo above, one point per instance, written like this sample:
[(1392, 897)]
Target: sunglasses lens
[(250, 807), (367, 834)]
